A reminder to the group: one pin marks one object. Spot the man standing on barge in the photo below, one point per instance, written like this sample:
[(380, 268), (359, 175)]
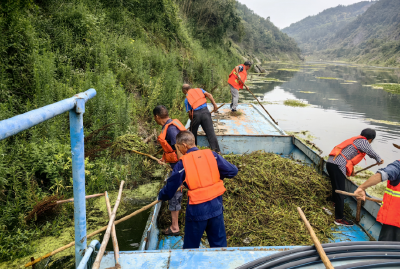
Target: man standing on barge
[(237, 79), (389, 213), (201, 171), (167, 140), (341, 162), (196, 106)]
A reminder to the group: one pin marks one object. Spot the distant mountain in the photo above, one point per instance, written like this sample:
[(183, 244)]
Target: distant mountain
[(260, 37), (314, 32), (373, 37)]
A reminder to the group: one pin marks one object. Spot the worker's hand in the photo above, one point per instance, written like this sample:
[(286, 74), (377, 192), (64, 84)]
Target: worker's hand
[(161, 161), (381, 162), (215, 108), (353, 173), (360, 194)]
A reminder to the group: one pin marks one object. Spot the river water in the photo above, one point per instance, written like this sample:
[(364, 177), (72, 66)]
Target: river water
[(339, 108)]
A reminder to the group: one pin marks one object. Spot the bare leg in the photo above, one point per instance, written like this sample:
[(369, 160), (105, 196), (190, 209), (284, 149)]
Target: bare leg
[(175, 221)]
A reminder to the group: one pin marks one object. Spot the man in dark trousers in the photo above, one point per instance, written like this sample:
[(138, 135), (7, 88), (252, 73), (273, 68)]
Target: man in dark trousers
[(389, 213), (167, 140), (196, 106), (201, 171), (341, 162)]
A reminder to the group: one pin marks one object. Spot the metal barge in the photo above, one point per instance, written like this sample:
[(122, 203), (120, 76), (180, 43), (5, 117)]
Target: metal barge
[(251, 131)]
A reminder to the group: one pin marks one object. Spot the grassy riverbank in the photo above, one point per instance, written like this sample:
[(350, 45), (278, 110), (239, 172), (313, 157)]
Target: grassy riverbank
[(136, 54)]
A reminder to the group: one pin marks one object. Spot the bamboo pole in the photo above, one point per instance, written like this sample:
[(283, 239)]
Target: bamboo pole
[(151, 157), (87, 197), (106, 237), (358, 214), (113, 234), (315, 239), (247, 88), (92, 234), (352, 194), (215, 110), (366, 168)]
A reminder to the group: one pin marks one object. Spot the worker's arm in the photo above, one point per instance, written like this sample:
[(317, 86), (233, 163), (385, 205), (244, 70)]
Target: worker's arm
[(226, 169), (238, 69), (372, 181), (390, 172), (173, 183), (365, 147), (211, 98)]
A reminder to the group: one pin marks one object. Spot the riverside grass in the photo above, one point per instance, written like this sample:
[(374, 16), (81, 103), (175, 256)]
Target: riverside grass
[(260, 202)]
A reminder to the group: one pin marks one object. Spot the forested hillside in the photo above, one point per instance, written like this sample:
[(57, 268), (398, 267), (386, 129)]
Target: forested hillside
[(314, 32), (262, 37), (373, 37), (136, 54)]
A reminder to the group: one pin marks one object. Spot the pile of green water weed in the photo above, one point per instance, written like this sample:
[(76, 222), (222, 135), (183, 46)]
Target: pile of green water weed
[(260, 202)]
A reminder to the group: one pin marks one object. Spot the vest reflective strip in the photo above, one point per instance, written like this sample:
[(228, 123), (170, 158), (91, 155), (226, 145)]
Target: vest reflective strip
[(392, 193)]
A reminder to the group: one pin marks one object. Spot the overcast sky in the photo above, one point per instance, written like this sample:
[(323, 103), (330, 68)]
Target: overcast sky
[(284, 12)]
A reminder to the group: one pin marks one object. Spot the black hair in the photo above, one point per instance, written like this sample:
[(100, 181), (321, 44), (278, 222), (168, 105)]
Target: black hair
[(185, 137), (161, 111), (248, 63), (368, 133)]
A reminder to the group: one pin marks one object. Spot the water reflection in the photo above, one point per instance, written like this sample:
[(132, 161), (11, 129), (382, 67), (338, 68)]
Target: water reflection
[(341, 106)]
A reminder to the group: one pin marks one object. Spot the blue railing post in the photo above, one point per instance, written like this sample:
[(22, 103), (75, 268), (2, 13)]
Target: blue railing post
[(78, 175)]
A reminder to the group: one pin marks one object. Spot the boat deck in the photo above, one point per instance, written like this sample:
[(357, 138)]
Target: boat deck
[(249, 120), (251, 131)]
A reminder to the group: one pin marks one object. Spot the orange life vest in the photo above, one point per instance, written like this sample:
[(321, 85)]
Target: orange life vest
[(350, 163), (390, 210), (233, 78), (169, 155), (202, 176), (196, 98)]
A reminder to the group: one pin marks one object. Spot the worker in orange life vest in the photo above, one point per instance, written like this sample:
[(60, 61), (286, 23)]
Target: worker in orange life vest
[(341, 162), (167, 140), (196, 106), (389, 213), (201, 171), (236, 81)]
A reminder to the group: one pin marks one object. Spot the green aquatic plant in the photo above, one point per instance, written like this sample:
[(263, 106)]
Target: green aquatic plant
[(260, 202), (328, 78), (389, 87), (289, 69), (295, 103), (385, 122)]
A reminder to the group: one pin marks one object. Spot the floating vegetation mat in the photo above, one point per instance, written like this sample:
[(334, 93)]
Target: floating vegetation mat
[(328, 78), (385, 122), (306, 92), (289, 69), (260, 202), (389, 87), (295, 103)]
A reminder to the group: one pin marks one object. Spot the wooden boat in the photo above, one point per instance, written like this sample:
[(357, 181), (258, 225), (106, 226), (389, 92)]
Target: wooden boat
[(253, 130)]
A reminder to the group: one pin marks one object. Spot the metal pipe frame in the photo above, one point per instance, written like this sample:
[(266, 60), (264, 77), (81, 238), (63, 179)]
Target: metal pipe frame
[(76, 107), (94, 245)]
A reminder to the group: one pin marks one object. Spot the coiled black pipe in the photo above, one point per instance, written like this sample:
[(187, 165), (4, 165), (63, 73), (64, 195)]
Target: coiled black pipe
[(335, 257), (348, 249), (263, 260), (371, 264)]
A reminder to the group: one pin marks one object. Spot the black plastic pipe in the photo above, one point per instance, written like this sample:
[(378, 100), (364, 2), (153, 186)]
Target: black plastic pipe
[(263, 260), (371, 264), (335, 257), (347, 249)]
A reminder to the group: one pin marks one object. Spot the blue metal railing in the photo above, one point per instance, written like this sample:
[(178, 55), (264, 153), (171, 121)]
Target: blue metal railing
[(94, 245), (76, 107)]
